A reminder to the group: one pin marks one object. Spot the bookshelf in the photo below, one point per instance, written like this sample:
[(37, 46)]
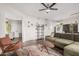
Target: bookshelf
[(40, 31)]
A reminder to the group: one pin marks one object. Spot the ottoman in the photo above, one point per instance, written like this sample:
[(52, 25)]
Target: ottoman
[(72, 50), (63, 42)]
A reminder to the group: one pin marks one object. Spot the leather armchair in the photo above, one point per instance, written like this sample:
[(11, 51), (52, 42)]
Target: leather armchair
[(7, 45)]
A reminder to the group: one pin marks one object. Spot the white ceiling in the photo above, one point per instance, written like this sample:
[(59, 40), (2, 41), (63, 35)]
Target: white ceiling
[(31, 9)]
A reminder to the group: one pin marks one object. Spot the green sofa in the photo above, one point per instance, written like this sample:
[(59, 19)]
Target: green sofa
[(67, 43)]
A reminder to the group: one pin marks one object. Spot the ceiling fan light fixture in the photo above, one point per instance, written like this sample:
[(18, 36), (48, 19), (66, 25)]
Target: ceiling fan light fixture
[(48, 7), (48, 10)]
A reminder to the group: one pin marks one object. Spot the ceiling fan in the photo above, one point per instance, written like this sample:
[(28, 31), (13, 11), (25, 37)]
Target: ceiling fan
[(48, 7)]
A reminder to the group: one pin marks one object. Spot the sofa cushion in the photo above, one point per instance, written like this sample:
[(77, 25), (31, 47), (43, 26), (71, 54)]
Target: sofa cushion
[(76, 43), (72, 49), (62, 42), (52, 39), (76, 36)]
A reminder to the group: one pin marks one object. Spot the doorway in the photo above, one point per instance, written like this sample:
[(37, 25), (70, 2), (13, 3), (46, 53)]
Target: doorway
[(14, 29)]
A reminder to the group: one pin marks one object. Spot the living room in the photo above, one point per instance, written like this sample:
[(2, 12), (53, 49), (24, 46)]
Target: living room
[(39, 29)]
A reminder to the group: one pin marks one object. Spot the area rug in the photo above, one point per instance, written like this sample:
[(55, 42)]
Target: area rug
[(35, 50)]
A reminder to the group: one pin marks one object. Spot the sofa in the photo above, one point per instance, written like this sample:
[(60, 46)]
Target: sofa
[(66, 41)]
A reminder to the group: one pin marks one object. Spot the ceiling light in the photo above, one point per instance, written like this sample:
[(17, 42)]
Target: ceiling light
[(48, 10)]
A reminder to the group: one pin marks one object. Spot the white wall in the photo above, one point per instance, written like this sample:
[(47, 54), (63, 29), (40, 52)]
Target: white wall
[(50, 27), (30, 33), (2, 25), (8, 13)]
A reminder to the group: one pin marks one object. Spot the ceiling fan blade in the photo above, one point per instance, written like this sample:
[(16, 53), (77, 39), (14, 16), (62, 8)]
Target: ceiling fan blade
[(44, 5), (52, 5), (41, 9), (53, 9)]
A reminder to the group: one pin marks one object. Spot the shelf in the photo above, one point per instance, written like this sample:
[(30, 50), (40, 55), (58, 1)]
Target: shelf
[(40, 31)]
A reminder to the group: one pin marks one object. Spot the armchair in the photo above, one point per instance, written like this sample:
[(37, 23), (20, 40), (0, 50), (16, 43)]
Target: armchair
[(7, 45)]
